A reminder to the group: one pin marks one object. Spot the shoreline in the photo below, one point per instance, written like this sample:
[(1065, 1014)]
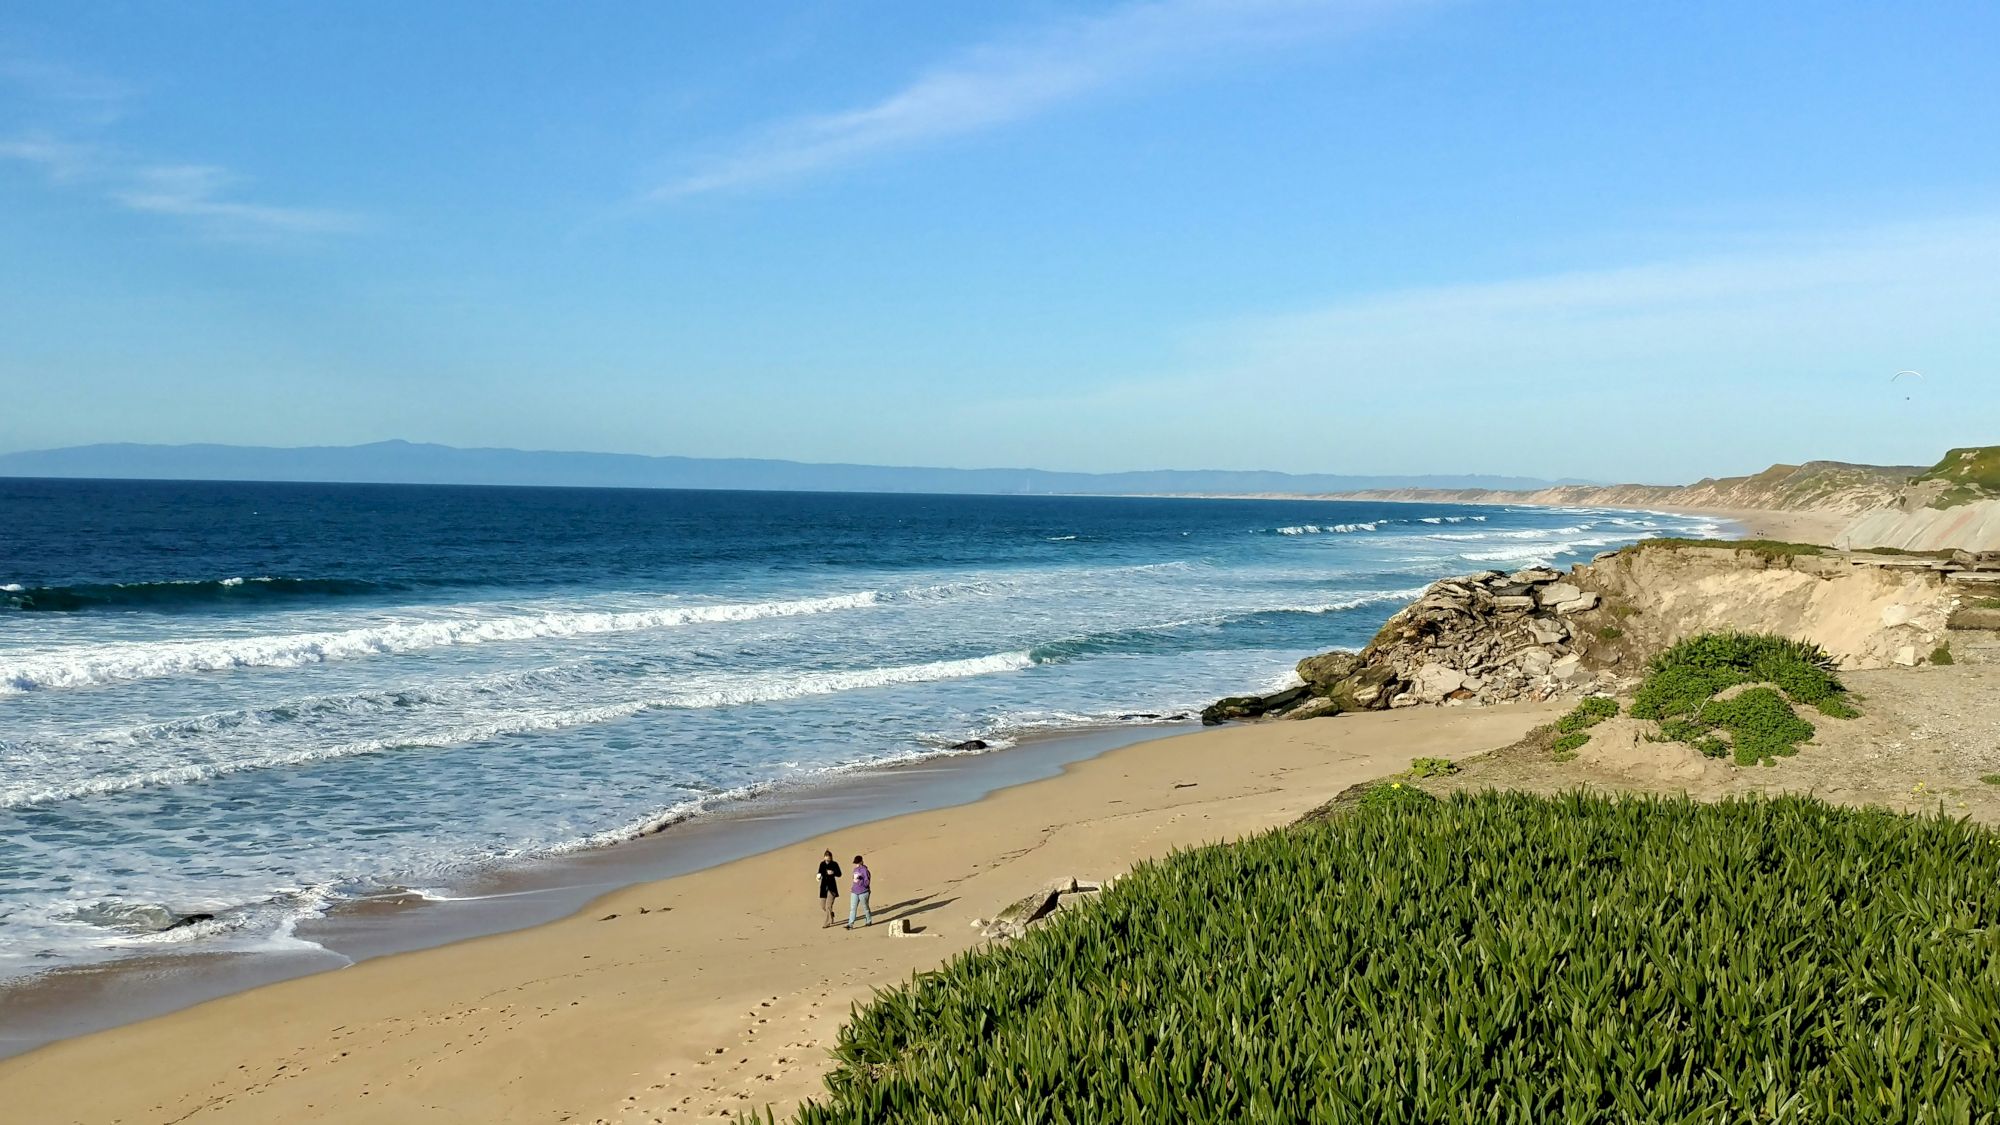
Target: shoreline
[(715, 990), (64, 1003)]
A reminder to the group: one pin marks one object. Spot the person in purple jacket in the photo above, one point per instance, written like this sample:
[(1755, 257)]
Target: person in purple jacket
[(857, 899)]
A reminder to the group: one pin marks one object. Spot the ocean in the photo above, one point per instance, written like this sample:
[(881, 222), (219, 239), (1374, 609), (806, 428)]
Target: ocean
[(258, 701)]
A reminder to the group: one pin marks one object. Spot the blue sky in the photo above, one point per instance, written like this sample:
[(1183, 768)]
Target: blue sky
[(1566, 239)]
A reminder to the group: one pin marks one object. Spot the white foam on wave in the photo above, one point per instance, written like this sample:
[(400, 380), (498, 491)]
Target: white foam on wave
[(84, 667), (739, 691), (1332, 529)]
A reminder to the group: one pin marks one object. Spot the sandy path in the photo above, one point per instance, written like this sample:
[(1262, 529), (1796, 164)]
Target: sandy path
[(712, 992)]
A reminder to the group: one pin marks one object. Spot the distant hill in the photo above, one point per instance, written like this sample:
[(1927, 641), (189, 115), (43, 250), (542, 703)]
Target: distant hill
[(1953, 504), (403, 462), (1816, 486)]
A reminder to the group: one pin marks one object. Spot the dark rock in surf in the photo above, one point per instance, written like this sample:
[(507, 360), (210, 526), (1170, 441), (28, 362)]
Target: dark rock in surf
[(970, 744)]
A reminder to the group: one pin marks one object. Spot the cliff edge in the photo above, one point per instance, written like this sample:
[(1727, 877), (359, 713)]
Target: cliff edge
[(1538, 634)]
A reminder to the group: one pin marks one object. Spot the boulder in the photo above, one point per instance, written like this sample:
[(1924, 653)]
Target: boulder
[(1557, 593), (1514, 601), (1578, 604), (1366, 690), (1566, 668), (1547, 631), (1535, 575), (970, 744), (1434, 682), (1534, 661), (1314, 707), (1321, 672), (1250, 706)]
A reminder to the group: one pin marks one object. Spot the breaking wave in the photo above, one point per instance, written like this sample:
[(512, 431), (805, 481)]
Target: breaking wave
[(732, 692), (88, 666)]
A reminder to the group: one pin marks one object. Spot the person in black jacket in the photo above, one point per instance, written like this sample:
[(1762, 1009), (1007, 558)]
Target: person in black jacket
[(829, 887)]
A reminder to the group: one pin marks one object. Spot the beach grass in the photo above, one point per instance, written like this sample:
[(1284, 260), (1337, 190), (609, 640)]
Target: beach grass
[(1486, 957)]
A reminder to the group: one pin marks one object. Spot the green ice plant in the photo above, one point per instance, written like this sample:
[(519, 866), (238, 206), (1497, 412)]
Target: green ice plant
[(1682, 683), (1491, 957)]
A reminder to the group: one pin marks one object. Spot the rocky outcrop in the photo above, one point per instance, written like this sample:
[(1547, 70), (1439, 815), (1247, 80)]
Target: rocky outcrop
[(1486, 638), (1538, 634)]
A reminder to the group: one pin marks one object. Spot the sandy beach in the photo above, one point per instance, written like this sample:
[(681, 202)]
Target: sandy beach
[(1786, 527), (713, 992)]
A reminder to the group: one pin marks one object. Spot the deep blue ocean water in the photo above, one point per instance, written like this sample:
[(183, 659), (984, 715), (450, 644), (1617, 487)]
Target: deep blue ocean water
[(255, 700)]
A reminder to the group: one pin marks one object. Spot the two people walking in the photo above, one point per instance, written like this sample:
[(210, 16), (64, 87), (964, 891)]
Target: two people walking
[(857, 899)]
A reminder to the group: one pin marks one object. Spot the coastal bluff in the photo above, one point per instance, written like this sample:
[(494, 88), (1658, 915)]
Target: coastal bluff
[(1539, 634), (1951, 505)]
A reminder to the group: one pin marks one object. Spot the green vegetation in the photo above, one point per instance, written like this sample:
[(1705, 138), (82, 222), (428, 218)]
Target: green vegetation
[(1572, 730), (1393, 794), (1609, 632), (1565, 746), (1770, 550), (1432, 767), (1983, 603), (1971, 474), (1682, 684), (1496, 957), (1942, 654), (1990, 778), (1587, 714)]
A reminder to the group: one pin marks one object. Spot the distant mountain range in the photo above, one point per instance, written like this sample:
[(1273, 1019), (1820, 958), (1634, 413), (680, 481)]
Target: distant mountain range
[(403, 462)]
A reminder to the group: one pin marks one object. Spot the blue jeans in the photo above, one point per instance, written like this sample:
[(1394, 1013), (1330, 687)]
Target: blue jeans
[(859, 901)]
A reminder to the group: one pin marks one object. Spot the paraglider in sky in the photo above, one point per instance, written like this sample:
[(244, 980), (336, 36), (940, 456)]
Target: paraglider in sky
[(1905, 374)]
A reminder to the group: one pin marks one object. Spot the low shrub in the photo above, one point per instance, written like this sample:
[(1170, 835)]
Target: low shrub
[(1942, 655), (1572, 730), (1432, 767), (1681, 685), (1587, 713), (1762, 726), (1490, 957), (1990, 778), (1609, 632), (1565, 747)]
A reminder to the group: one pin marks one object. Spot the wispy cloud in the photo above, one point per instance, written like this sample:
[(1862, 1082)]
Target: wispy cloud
[(1017, 77), (90, 96), (1781, 347), (73, 148)]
